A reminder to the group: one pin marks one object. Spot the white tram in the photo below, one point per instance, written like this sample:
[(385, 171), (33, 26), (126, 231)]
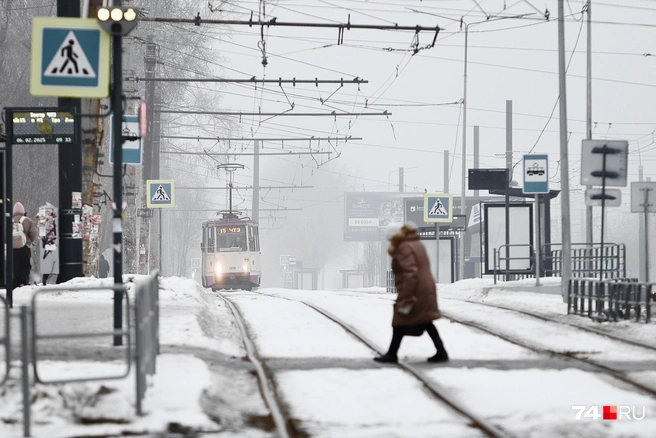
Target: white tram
[(231, 253)]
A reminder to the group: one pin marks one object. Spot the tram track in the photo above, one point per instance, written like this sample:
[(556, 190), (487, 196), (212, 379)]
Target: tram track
[(566, 356), (285, 425), (267, 384), (557, 321)]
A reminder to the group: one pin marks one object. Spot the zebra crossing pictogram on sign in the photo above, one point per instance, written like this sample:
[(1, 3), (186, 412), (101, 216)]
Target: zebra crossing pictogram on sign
[(438, 207), (161, 193), (70, 60)]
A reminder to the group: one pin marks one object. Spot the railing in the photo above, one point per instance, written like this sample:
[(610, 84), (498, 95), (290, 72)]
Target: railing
[(36, 336), (144, 354), (390, 286), (610, 300), (147, 333), (5, 341), (509, 271), (586, 260)]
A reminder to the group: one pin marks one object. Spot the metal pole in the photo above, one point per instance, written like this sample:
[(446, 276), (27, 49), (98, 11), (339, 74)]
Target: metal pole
[(646, 236), (463, 190), (25, 374), (642, 255), (564, 160), (437, 252), (256, 181), (8, 208), (446, 171), (70, 178), (603, 212), (400, 179), (476, 151), (589, 237), (537, 252), (117, 108), (508, 179), (160, 241)]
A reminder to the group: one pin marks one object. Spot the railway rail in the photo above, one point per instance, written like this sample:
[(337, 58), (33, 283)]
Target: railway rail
[(287, 428), (560, 321)]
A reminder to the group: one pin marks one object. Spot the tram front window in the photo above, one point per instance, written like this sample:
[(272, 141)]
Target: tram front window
[(232, 242)]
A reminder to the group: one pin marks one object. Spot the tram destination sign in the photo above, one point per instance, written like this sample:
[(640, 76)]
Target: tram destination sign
[(42, 126)]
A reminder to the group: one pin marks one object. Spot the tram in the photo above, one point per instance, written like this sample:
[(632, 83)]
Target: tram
[(230, 253)]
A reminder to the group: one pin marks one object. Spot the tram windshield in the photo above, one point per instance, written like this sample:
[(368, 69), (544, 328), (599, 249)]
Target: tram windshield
[(231, 238)]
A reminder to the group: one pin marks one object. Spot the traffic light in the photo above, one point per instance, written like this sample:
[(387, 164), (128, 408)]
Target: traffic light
[(118, 20)]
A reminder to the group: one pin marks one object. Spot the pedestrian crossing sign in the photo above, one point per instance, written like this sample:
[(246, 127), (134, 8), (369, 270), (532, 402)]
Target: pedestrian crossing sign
[(161, 193), (70, 58), (438, 207)]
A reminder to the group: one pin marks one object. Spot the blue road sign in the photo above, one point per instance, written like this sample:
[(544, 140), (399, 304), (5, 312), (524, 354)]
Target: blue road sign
[(536, 174), (161, 193), (70, 58), (131, 148), (438, 207)]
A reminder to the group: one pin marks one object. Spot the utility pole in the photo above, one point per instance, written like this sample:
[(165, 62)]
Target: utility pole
[(130, 189), (256, 181), (93, 129), (589, 237), (446, 171), (507, 187), (564, 160), (642, 254), (70, 180), (401, 179), (476, 151)]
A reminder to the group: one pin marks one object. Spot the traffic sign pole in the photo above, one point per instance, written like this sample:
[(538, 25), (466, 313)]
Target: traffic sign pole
[(117, 107), (537, 251), (646, 235), (536, 181)]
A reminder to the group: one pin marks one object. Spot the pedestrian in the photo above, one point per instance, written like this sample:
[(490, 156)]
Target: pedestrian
[(416, 303), (103, 267), (24, 234)]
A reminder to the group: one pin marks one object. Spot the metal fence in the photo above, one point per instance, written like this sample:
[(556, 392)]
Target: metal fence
[(610, 300), (390, 285), (5, 340), (35, 336), (509, 273), (144, 354), (147, 333), (588, 260)]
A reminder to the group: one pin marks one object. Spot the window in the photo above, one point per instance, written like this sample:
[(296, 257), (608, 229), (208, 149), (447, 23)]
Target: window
[(232, 238), (209, 239)]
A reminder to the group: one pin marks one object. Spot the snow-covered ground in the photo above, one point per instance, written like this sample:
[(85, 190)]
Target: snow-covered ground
[(326, 377)]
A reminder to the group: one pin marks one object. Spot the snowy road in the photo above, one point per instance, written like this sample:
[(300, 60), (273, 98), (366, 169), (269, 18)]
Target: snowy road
[(525, 393), (326, 378)]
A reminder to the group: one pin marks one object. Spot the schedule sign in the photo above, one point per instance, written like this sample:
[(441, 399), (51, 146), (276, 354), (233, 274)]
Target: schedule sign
[(42, 126)]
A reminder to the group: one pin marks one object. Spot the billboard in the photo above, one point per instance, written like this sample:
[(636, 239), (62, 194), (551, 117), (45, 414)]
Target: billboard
[(368, 213)]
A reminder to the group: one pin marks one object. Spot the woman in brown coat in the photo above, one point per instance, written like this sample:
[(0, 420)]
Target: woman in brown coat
[(416, 304)]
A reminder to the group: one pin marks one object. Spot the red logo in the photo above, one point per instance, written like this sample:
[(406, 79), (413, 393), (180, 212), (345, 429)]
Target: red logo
[(610, 413)]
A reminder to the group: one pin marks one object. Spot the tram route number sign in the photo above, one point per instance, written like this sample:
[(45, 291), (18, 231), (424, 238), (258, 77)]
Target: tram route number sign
[(42, 126)]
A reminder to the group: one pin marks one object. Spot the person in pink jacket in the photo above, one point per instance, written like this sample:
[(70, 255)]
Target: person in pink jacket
[(416, 304), (22, 254)]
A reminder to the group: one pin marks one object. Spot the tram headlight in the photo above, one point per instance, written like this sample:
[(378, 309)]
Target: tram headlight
[(218, 270), (245, 267)]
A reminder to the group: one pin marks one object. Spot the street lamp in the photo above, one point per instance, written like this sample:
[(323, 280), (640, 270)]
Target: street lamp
[(117, 20)]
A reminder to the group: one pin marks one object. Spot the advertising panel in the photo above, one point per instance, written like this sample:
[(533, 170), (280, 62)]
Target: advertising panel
[(517, 258), (368, 213)]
